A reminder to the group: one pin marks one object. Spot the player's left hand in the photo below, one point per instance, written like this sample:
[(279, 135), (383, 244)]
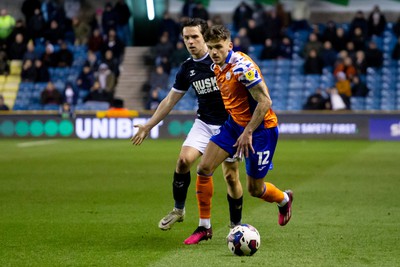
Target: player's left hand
[(244, 144), (141, 134)]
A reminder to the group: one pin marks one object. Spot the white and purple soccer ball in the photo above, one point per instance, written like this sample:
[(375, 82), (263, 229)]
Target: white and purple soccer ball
[(243, 240)]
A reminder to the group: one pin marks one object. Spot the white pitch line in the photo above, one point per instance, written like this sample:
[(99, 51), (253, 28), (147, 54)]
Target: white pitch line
[(37, 143)]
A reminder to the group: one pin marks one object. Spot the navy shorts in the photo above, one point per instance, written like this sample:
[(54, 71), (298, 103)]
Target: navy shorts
[(264, 144)]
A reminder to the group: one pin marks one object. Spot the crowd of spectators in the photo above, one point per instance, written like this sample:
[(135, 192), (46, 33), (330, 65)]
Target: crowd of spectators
[(46, 38), (330, 47), (346, 52)]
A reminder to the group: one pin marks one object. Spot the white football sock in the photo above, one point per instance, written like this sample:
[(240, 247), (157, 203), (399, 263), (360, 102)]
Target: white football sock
[(285, 200), (205, 222)]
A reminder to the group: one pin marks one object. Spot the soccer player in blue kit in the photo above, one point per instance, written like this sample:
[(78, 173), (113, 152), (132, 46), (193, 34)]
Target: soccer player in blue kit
[(196, 72)]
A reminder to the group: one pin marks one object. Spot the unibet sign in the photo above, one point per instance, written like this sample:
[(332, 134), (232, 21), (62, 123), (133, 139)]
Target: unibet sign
[(83, 128), (111, 128)]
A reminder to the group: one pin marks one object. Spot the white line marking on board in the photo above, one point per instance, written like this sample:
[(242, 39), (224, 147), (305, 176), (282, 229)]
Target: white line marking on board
[(37, 143)]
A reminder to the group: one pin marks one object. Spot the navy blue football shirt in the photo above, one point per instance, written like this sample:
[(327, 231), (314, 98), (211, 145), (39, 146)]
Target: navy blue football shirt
[(198, 74)]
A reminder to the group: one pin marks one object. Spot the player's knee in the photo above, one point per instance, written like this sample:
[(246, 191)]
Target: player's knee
[(254, 191), (231, 178), (183, 165), (204, 169)]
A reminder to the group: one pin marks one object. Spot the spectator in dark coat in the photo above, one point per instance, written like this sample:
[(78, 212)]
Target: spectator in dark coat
[(28, 72), (170, 26), (93, 61), (360, 63), (86, 78), (17, 48), (313, 63), (122, 23), (42, 71), (269, 50), (373, 56), (341, 40), (28, 8), (376, 22), (255, 32), (243, 12), (328, 54), (64, 57), (30, 52), (358, 38), (113, 43), (199, 11), (359, 21), (36, 25), (50, 95), (48, 57), (316, 101), (98, 94), (109, 18), (285, 48), (96, 41), (358, 87), (54, 35), (329, 34)]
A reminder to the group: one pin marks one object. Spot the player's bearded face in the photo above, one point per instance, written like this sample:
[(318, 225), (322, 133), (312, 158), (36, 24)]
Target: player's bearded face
[(219, 50)]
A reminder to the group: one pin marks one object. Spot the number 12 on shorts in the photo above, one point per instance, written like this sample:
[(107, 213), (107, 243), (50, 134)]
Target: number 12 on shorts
[(263, 158)]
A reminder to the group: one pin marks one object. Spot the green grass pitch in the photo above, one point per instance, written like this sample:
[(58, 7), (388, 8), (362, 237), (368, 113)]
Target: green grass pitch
[(98, 203)]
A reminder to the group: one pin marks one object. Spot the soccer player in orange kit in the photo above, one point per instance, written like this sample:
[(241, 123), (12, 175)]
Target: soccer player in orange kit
[(251, 131)]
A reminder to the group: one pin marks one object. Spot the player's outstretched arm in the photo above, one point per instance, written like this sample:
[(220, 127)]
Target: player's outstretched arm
[(244, 143), (163, 109)]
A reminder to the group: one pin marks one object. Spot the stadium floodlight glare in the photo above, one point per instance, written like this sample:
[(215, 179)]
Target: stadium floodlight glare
[(150, 9)]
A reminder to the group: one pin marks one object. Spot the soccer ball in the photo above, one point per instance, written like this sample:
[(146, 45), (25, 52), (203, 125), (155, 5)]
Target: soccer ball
[(243, 240)]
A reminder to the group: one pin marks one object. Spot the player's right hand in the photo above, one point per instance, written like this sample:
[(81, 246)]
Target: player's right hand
[(141, 134)]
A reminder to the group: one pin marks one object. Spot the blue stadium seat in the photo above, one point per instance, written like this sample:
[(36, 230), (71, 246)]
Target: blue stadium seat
[(26, 86), (51, 107), (357, 103), (35, 107), (93, 105), (255, 51)]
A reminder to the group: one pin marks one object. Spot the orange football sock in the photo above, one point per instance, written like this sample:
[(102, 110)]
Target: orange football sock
[(204, 192), (272, 193)]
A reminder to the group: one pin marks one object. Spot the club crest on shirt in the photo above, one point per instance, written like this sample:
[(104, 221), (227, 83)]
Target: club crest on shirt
[(228, 75), (250, 75)]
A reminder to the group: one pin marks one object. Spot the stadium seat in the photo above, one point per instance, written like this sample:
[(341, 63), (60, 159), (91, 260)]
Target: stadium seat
[(94, 105), (26, 86), (357, 103), (35, 107), (15, 67), (255, 51)]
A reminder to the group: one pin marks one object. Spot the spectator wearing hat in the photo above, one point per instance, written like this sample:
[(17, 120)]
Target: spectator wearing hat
[(106, 78)]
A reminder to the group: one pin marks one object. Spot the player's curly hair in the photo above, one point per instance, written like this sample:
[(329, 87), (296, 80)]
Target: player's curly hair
[(193, 22), (217, 33)]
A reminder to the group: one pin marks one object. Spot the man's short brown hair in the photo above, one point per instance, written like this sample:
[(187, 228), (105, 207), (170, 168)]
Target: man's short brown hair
[(217, 33)]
